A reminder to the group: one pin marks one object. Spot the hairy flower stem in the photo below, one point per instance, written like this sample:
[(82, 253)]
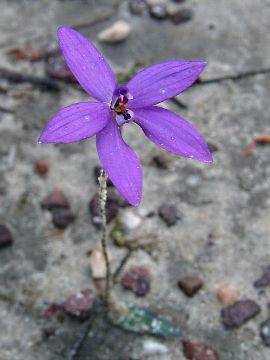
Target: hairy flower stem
[(102, 208)]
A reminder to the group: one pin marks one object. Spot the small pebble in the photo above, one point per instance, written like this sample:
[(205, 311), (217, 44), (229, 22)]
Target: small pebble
[(265, 332), (6, 238), (137, 279), (27, 53), (212, 147), (158, 11), (181, 16), (55, 200), (48, 332), (56, 67), (168, 214), (130, 220), (112, 206), (137, 7), (55, 311), (79, 305), (151, 347), (198, 351), (162, 160), (62, 218), (228, 294), (264, 279), (236, 315), (190, 284), (117, 32), (42, 167), (97, 262), (178, 1)]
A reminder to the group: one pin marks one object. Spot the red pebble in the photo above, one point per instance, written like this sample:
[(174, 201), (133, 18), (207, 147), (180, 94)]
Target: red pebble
[(137, 279), (42, 167), (197, 351), (55, 200), (79, 305)]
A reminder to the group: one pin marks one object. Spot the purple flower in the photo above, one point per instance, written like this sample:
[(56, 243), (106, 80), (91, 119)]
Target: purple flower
[(117, 105)]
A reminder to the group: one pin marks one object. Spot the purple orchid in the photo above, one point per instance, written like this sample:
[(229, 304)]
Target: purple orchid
[(117, 105)]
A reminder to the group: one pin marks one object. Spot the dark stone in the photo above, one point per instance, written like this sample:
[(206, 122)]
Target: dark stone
[(55, 311), (190, 284), (48, 332), (265, 332), (79, 305), (181, 16), (162, 161), (137, 7), (138, 280), (55, 200), (62, 218), (6, 238), (168, 214), (198, 351), (212, 147), (236, 315), (42, 167), (158, 11), (179, 1), (56, 67), (96, 172), (264, 279), (114, 202)]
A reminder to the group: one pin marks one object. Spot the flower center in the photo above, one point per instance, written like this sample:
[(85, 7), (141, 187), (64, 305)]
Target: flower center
[(121, 96)]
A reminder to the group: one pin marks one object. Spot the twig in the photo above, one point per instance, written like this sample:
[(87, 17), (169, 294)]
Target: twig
[(73, 352), (179, 103), (102, 207), (122, 264), (41, 82), (235, 77), (6, 110)]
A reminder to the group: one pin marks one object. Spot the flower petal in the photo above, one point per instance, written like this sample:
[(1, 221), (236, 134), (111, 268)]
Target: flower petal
[(87, 64), (76, 122), (159, 82), (172, 133), (120, 163)]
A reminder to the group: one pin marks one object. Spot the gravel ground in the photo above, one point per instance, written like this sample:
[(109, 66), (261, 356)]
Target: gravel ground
[(222, 230)]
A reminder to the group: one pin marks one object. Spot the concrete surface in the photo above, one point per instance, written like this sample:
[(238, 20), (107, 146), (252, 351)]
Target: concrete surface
[(227, 201)]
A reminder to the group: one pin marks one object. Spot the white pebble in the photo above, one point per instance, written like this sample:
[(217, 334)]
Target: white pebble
[(153, 347), (130, 220), (117, 32)]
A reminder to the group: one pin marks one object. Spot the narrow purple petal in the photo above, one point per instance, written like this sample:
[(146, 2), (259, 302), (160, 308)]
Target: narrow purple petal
[(159, 82), (120, 163), (87, 64), (172, 133), (76, 122)]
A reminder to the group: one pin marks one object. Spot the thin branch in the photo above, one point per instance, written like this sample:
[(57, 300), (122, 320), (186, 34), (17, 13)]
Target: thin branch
[(235, 77), (122, 264), (6, 110), (73, 352), (41, 82)]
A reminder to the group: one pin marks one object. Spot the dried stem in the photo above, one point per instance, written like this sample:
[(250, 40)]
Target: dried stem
[(102, 207)]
